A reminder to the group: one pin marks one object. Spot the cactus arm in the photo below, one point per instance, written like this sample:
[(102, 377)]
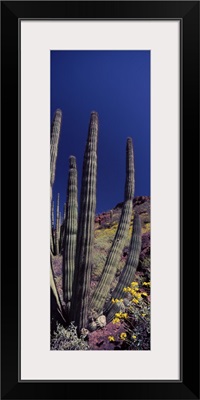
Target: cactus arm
[(85, 237), (55, 136), (70, 232), (102, 290), (64, 211), (129, 269)]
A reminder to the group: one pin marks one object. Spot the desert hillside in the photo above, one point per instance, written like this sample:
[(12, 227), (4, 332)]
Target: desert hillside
[(106, 225)]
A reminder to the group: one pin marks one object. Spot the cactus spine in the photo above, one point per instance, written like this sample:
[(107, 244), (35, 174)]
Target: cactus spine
[(70, 235), (102, 291), (129, 270), (85, 236)]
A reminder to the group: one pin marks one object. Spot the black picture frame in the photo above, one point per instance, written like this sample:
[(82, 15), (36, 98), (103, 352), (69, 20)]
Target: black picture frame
[(188, 386)]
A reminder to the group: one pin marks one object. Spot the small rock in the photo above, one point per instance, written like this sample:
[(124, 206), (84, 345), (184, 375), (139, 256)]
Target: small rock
[(101, 321), (92, 326)]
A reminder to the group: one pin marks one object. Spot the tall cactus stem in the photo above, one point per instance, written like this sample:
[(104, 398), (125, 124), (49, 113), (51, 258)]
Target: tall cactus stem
[(85, 236), (102, 290), (64, 211), (55, 136), (130, 267), (70, 233)]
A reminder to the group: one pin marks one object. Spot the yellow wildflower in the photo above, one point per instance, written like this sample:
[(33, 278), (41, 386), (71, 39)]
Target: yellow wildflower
[(134, 283), (143, 315), (116, 300), (144, 294), (118, 315), (111, 338), (124, 315), (135, 301), (138, 295), (134, 337), (115, 320), (123, 336)]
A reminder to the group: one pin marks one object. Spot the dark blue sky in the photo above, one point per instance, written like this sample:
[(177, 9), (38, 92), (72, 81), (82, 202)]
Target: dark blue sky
[(116, 84)]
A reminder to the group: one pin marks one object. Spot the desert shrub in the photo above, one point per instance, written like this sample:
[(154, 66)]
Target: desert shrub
[(146, 228), (98, 265), (67, 339), (146, 267), (135, 318)]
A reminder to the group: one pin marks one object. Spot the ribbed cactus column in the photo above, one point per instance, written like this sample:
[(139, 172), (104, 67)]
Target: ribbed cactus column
[(128, 272), (57, 236), (102, 290), (52, 214), (85, 237), (55, 135), (64, 211), (71, 224)]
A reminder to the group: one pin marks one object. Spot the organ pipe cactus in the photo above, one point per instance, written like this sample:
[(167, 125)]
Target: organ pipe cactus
[(55, 136), (64, 211), (78, 240), (129, 270), (85, 236), (70, 233), (62, 230), (60, 219), (102, 290), (52, 214)]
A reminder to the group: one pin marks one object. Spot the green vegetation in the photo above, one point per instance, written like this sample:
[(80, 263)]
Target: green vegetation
[(67, 339), (135, 318)]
